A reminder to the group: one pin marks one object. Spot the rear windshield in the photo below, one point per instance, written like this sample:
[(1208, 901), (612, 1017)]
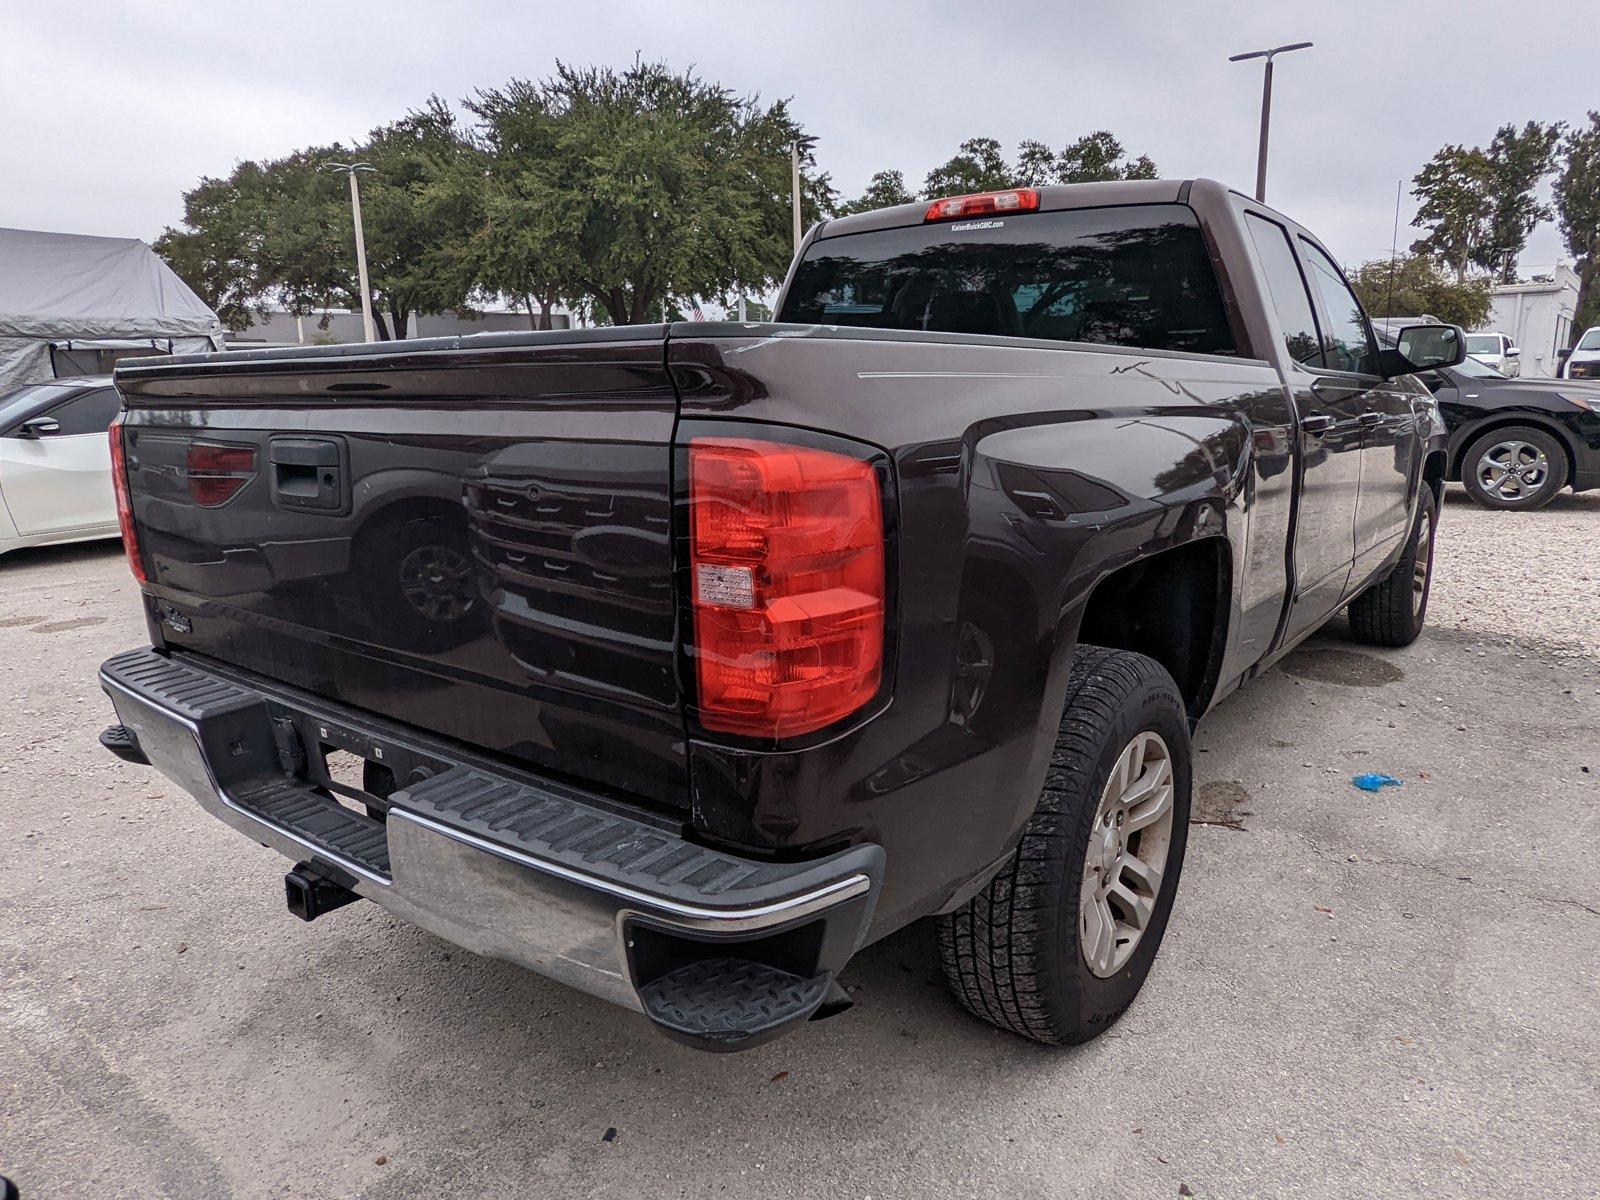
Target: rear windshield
[(1128, 276)]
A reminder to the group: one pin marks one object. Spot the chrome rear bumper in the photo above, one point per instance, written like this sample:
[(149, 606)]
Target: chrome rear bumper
[(531, 871)]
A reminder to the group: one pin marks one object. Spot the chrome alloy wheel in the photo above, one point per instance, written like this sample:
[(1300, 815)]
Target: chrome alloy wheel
[(1128, 846), (1423, 565), (1513, 470)]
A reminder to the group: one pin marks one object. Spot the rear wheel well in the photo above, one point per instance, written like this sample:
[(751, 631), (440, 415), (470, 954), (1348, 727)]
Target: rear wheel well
[(1508, 422), (1171, 606)]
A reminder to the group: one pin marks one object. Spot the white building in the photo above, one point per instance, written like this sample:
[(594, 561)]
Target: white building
[(1538, 316)]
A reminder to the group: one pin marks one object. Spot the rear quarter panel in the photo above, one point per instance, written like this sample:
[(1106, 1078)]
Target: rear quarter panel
[(1025, 473)]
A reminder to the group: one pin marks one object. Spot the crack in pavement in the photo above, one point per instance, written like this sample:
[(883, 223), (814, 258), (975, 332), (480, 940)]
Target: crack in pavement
[(1442, 872)]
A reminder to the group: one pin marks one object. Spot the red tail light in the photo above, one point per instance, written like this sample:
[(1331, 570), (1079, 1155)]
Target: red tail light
[(786, 545), (981, 204), (119, 484), (216, 471)]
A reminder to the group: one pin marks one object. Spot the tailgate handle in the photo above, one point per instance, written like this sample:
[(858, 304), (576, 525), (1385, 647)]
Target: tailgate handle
[(309, 474)]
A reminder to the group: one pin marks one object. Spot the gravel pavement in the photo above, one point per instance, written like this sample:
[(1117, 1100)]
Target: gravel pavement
[(1360, 995)]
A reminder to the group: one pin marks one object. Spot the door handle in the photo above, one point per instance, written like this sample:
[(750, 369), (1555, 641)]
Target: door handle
[(1317, 424), (1369, 418)]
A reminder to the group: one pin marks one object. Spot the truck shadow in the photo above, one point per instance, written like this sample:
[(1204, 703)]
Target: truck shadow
[(404, 1017)]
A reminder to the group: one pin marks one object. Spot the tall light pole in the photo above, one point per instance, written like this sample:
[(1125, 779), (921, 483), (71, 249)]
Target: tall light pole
[(354, 169), (1266, 107)]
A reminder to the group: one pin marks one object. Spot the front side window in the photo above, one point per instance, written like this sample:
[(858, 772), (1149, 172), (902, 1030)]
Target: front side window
[(1347, 342), (24, 402), (1136, 275), (1288, 288), (91, 412)]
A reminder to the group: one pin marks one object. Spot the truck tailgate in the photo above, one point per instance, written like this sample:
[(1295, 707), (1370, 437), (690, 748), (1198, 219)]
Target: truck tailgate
[(469, 535)]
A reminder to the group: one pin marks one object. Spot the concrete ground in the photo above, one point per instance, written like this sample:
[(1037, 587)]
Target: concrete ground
[(1389, 994)]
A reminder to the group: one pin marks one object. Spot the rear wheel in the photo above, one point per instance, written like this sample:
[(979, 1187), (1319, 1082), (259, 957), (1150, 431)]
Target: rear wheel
[(1391, 611), (1518, 467), (1057, 945)]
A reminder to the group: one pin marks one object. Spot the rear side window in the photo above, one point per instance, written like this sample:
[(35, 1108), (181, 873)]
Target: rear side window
[(1288, 288), (1128, 276)]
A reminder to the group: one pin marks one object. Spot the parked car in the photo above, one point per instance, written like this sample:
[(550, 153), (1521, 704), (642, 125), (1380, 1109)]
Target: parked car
[(784, 636), (55, 465), (1515, 443), (1584, 360), (1496, 350)]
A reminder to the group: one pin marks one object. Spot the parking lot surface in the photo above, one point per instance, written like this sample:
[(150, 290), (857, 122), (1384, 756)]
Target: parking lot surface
[(1384, 994)]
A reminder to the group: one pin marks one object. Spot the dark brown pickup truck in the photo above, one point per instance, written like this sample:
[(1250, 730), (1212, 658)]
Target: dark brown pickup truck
[(680, 662)]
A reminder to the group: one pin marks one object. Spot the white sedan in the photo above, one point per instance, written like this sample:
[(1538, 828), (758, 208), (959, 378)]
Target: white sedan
[(55, 463)]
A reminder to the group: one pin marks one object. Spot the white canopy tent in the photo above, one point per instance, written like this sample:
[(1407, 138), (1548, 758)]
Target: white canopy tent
[(72, 304)]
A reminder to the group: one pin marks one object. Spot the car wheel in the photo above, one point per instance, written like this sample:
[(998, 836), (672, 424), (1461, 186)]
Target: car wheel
[(1391, 611), (1056, 946), (1518, 467)]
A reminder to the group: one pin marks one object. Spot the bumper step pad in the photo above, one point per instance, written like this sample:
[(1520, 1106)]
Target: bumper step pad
[(731, 1002), (319, 819)]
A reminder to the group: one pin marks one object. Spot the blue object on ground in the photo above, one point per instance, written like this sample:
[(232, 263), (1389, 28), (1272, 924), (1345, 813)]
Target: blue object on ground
[(1372, 782)]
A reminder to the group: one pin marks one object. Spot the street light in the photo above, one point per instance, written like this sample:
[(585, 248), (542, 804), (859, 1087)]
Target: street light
[(1266, 107), (354, 169)]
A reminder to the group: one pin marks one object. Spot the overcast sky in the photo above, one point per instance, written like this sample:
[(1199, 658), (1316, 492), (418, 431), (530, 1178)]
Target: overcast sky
[(108, 111)]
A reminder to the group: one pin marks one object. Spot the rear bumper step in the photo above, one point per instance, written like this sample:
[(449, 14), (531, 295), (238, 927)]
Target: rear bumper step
[(719, 951)]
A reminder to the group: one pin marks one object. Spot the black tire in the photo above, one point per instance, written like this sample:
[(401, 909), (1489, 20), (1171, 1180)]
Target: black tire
[(1012, 953), (1556, 466), (1391, 611)]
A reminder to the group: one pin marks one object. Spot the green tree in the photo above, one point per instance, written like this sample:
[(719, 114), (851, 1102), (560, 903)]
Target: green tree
[(414, 231), (1415, 285), (884, 190), (629, 188), (280, 232), (978, 165), (1520, 161), (1456, 188), (1480, 206), (219, 250), (1097, 157), (512, 248), (1036, 164), (1577, 195)]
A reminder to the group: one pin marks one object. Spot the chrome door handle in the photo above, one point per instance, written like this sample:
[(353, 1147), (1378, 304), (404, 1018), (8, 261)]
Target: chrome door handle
[(1370, 418), (1318, 424)]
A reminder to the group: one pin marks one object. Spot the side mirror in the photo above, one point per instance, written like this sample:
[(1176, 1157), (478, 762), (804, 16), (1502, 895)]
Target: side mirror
[(1563, 355), (1424, 347), (1513, 352), (38, 427)]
